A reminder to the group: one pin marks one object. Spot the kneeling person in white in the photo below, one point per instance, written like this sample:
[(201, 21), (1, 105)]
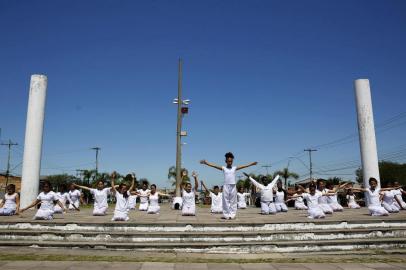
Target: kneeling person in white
[(267, 204), (351, 200), (373, 198), (63, 197), (216, 199), (153, 207), (188, 197), (100, 194), (242, 198), (280, 198), (75, 198), (46, 198), (122, 194), (10, 205), (143, 193), (312, 199)]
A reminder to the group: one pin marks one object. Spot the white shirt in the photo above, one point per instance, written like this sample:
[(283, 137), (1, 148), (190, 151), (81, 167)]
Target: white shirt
[(154, 199), (144, 195), (312, 200), (242, 196), (100, 196), (188, 198), (322, 199), (47, 200), (62, 197), (351, 199), (229, 175), (332, 199), (10, 201), (74, 195), (266, 191), (216, 200), (280, 197), (373, 197), (388, 196), (121, 202), (299, 199)]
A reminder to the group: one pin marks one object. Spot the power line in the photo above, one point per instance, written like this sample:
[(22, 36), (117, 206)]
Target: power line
[(9, 145)]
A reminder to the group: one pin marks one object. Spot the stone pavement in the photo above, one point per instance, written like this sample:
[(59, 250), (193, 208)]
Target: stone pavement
[(51, 265), (167, 216)]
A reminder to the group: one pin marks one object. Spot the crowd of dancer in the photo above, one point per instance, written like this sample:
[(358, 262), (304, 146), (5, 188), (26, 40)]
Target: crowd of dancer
[(318, 199)]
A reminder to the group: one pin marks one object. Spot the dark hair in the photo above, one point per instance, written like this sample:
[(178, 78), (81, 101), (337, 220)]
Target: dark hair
[(125, 195), (372, 180), (11, 186), (62, 188), (312, 185), (216, 187), (46, 182), (100, 180), (229, 155), (153, 185), (176, 206)]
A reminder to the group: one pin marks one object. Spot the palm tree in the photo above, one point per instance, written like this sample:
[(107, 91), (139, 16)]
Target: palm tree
[(172, 176), (286, 174)]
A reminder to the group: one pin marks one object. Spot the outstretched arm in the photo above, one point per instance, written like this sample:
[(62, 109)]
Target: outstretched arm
[(253, 181), (205, 162), (34, 203), (272, 184), (81, 187), (247, 165), (194, 174)]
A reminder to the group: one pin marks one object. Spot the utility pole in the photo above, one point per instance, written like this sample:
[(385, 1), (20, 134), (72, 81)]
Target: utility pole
[(9, 145), (267, 167), (310, 159), (97, 149), (178, 132)]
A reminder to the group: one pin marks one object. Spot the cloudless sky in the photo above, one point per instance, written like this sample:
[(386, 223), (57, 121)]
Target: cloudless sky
[(266, 79)]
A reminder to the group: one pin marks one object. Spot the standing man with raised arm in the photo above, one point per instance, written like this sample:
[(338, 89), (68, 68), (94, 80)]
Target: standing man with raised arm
[(229, 187)]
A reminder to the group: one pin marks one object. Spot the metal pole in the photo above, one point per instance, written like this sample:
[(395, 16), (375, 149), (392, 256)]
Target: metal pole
[(311, 163), (9, 145), (178, 132)]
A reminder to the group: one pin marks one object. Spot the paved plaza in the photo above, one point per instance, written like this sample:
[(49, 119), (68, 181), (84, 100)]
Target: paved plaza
[(250, 215)]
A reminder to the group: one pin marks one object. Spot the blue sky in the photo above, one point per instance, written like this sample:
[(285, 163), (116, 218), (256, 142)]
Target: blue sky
[(266, 79)]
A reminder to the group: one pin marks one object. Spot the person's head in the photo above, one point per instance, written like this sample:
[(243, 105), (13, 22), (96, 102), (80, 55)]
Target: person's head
[(11, 189), (100, 184), (123, 188), (312, 188), (329, 185), (241, 189), (153, 189), (320, 184), (176, 206), (144, 185), (279, 185), (396, 184), (264, 180), (62, 188), (389, 184), (373, 183), (298, 189), (350, 191), (46, 186), (216, 190), (72, 186), (229, 159), (188, 187)]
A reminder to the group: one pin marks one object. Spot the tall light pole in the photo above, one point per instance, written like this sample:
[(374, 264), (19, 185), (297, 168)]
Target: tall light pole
[(97, 149), (9, 145), (310, 160), (179, 133)]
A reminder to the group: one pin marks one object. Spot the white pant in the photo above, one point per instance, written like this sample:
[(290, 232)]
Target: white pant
[(46, 214), (188, 210), (99, 211), (391, 208), (281, 207), (326, 208), (143, 206), (58, 209), (354, 206), (229, 200), (300, 206), (316, 212), (268, 208), (75, 203), (7, 211), (153, 209), (242, 205), (377, 210), (401, 206), (336, 207), (120, 216)]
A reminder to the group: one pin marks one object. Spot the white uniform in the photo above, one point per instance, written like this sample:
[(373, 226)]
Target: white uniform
[(74, 199), (389, 202), (398, 195), (314, 211), (177, 201), (352, 203), (121, 210), (216, 203), (143, 199), (299, 203), (333, 202), (188, 204), (267, 205), (100, 201), (153, 207), (280, 204), (10, 205), (229, 192), (132, 201), (46, 209), (63, 198), (242, 200), (374, 204), (323, 202)]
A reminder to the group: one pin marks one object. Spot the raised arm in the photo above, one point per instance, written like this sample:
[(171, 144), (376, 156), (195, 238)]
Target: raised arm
[(247, 165), (113, 186), (205, 162), (204, 186), (194, 174), (272, 184), (253, 181), (81, 187), (132, 181)]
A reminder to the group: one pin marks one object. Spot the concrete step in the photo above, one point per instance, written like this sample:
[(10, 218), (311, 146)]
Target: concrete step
[(232, 247), (250, 236)]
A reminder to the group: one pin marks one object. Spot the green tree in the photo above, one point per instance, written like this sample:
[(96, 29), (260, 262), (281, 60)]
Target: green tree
[(388, 171), (172, 176), (58, 179), (286, 174)]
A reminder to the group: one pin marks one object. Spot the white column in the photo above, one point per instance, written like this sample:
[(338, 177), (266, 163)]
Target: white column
[(366, 130), (33, 139)]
